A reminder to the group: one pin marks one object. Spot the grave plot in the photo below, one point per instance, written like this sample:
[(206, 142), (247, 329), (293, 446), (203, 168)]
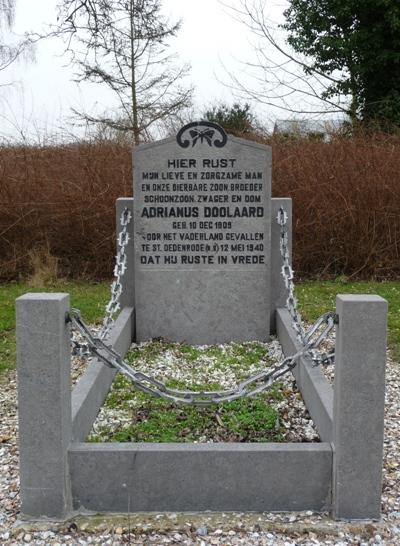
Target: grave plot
[(195, 270), (278, 415)]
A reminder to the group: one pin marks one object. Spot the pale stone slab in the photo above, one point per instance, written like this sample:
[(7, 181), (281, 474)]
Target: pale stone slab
[(202, 241)]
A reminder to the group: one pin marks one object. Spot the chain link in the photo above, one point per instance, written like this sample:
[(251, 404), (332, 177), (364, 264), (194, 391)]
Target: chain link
[(114, 305), (310, 340), (83, 350), (252, 386), (318, 357)]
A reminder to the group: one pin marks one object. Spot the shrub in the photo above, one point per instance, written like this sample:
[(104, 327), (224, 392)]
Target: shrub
[(346, 197)]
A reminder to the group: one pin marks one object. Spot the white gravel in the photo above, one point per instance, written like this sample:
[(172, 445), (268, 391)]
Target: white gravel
[(294, 418), (202, 529)]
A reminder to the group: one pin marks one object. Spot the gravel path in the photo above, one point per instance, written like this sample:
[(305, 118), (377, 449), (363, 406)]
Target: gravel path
[(200, 529)]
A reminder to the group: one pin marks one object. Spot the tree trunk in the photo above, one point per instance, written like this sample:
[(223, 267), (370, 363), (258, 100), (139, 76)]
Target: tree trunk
[(136, 130)]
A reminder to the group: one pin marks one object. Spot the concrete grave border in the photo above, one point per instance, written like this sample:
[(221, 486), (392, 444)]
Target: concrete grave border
[(60, 473)]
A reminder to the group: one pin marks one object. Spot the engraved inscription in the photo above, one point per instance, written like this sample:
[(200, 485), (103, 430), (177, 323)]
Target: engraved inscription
[(197, 212)]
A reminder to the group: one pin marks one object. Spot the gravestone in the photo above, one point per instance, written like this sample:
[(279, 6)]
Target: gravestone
[(202, 217)]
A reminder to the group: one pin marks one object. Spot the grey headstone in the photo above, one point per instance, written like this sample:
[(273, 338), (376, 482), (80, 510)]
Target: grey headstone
[(202, 238)]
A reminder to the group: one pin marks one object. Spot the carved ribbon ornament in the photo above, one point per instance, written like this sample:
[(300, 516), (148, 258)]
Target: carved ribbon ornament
[(192, 133)]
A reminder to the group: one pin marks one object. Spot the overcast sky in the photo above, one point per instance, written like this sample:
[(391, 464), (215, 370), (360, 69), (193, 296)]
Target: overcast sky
[(44, 90)]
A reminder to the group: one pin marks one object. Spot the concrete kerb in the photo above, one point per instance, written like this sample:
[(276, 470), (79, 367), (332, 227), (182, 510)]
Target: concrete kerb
[(199, 477), (317, 393), (91, 390), (220, 477), (351, 415)]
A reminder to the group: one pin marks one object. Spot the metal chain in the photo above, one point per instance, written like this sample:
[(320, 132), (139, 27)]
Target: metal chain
[(255, 384), (318, 357), (252, 386), (287, 274), (113, 306)]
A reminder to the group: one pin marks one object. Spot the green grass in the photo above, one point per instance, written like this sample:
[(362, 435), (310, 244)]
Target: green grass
[(316, 298), (90, 298), (239, 421), (143, 418), (157, 420)]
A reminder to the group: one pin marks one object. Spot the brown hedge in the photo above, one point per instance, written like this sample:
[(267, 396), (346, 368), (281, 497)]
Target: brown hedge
[(346, 197)]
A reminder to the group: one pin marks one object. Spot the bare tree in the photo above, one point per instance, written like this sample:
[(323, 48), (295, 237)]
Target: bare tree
[(278, 77), (123, 45), (10, 52)]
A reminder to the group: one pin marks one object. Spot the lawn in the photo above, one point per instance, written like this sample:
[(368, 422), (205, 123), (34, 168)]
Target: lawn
[(90, 298), (140, 417), (314, 299)]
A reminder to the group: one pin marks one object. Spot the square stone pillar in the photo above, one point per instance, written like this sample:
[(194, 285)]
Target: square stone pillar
[(358, 408), (44, 404)]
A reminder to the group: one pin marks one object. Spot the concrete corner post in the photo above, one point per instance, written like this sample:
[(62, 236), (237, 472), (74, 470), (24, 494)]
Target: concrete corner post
[(44, 404), (358, 408), (128, 279)]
